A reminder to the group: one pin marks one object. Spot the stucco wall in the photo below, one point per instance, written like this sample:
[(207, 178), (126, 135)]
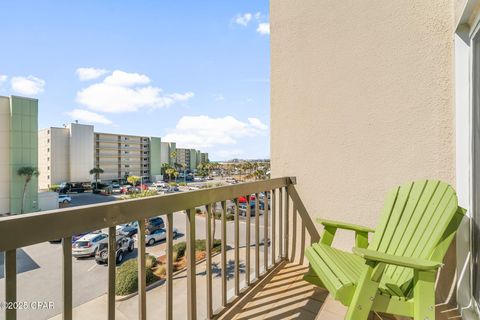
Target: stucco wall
[(361, 100), (81, 152)]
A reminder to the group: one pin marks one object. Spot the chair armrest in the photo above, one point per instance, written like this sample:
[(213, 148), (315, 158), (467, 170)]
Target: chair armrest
[(414, 263), (345, 226)]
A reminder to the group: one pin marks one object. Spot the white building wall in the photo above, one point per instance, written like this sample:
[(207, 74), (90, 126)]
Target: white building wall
[(43, 159), (165, 152), (59, 155), (81, 152), (4, 155)]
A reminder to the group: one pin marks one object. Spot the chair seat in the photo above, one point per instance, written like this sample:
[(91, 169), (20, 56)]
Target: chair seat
[(339, 272)]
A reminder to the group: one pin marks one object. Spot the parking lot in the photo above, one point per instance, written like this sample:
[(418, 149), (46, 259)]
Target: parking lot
[(40, 265)]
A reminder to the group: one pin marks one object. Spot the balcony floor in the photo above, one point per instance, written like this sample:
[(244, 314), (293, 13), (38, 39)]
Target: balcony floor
[(285, 296)]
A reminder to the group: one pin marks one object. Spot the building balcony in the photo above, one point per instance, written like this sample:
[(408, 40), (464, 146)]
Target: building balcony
[(255, 274)]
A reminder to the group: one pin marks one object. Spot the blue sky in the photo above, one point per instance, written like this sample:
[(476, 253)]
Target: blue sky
[(194, 72)]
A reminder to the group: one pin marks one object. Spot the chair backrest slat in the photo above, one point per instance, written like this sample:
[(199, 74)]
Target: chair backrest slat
[(415, 219)]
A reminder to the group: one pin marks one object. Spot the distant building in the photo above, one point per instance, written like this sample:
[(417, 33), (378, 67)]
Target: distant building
[(69, 153), (18, 148)]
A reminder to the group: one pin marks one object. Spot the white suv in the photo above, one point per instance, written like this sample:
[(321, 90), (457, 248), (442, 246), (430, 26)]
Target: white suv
[(88, 245)]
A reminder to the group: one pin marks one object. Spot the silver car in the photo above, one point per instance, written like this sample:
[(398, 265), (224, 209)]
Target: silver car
[(157, 235), (87, 245)]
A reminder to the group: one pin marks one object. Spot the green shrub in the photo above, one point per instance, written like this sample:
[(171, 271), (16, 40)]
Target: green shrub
[(54, 187), (173, 184), (182, 184), (180, 247), (126, 281)]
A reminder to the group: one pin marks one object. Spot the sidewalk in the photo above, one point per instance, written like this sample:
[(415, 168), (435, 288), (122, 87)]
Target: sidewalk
[(156, 297)]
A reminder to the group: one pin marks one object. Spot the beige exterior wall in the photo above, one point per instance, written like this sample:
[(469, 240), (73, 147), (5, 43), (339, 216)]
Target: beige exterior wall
[(81, 152), (54, 148), (361, 101), (4, 155)]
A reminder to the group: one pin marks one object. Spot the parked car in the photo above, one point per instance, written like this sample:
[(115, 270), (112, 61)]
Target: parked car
[(151, 225), (157, 235), (242, 208), (63, 198), (66, 187), (74, 238), (87, 246), (115, 188), (124, 245)]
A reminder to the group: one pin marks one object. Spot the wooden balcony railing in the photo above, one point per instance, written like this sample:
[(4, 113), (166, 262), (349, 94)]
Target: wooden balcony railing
[(44, 226)]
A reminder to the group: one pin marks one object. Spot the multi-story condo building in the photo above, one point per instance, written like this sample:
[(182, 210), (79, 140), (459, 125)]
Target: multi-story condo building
[(204, 157), (190, 158), (122, 155), (69, 153), (18, 148), (168, 153)]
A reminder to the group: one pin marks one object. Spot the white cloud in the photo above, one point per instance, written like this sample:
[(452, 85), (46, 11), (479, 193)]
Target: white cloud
[(206, 132), (256, 123), (3, 78), (263, 28), (127, 92), (30, 85), (88, 116), (243, 19), (85, 74), (125, 79)]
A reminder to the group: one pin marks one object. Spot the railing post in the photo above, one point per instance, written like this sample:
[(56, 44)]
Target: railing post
[(169, 270), (265, 231), (274, 208), (280, 223), (112, 259), (67, 278), (10, 283), (287, 213), (191, 271), (237, 251), (224, 253), (247, 240), (294, 231), (208, 246), (142, 306), (257, 238)]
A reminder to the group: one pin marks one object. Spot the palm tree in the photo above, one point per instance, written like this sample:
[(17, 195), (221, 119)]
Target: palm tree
[(165, 166), (175, 174), (96, 171), (173, 156), (133, 180), (28, 173), (170, 171)]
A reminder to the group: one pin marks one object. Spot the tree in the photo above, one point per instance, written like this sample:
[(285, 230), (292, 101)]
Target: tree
[(173, 156), (169, 172), (96, 171), (28, 173), (175, 174), (133, 180), (165, 166)]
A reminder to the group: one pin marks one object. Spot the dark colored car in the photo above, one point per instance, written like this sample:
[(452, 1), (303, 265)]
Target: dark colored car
[(67, 187), (124, 245), (151, 224)]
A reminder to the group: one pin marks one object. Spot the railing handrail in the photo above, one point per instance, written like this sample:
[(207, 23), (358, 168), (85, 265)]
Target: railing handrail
[(22, 230)]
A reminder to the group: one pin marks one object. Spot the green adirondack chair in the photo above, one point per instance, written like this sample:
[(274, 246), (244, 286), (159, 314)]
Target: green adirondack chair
[(396, 272)]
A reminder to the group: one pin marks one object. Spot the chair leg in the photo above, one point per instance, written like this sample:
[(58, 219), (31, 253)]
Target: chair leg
[(424, 295), (364, 296)]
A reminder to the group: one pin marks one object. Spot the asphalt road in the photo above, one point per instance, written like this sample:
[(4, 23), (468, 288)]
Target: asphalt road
[(40, 265)]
